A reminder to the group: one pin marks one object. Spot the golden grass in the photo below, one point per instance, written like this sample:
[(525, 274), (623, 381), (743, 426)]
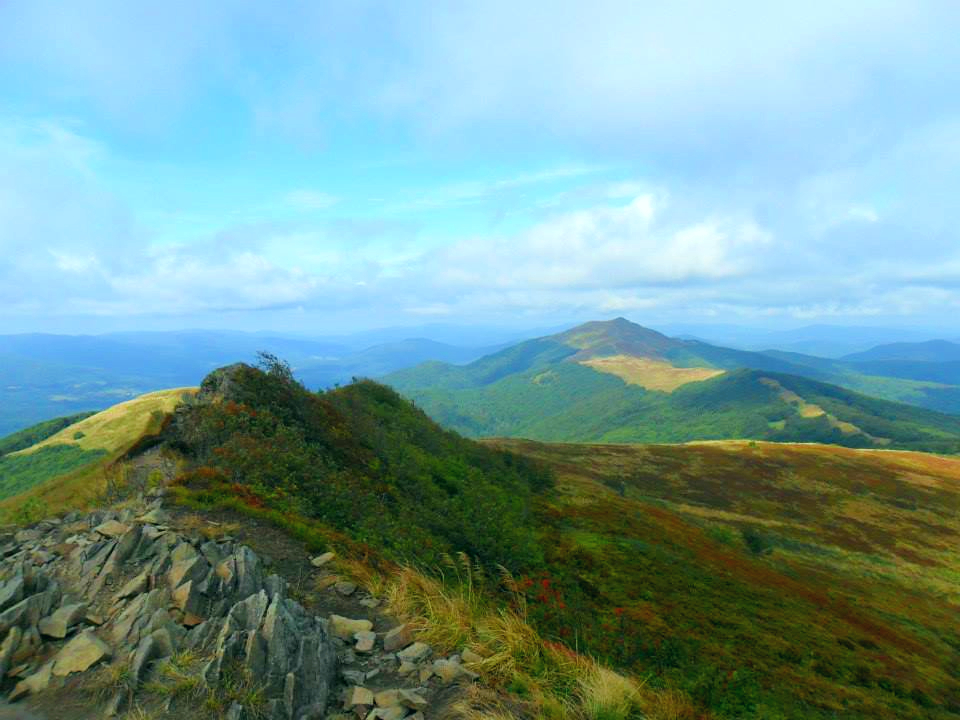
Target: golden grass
[(650, 374), (115, 430), (556, 682), (117, 427)]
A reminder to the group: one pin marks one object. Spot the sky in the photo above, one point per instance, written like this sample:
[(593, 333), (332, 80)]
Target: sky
[(321, 167)]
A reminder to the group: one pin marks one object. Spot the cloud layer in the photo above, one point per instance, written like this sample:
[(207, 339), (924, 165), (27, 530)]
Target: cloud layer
[(677, 161)]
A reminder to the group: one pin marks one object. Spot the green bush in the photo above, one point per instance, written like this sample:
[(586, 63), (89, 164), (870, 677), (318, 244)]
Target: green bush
[(367, 462)]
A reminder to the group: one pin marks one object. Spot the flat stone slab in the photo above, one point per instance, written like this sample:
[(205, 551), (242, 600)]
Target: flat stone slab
[(84, 651)]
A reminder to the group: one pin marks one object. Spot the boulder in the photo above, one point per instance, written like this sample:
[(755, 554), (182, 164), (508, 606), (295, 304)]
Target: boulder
[(387, 698), (85, 650), (358, 696), (39, 681), (59, 623)]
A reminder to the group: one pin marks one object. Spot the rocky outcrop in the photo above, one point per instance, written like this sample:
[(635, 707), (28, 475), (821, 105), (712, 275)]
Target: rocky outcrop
[(125, 588)]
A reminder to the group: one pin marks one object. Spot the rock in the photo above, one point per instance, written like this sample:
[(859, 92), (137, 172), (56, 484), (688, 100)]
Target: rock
[(345, 588), (387, 698), (412, 700), (447, 670), (154, 517), (397, 712), (135, 586), (25, 536), (406, 668), (35, 683), (235, 712), (324, 582), (345, 628), (398, 637), (370, 602), (85, 650), (469, 656), (190, 620), (358, 695), (112, 529), (414, 653), (321, 560), (59, 624), (11, 592), (425, 674), (353, 677), (365, 641), (9, 646), (187, 598)]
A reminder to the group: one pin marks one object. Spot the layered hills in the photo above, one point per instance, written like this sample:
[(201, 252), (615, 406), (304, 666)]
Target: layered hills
[(728, 579), (619, 382)]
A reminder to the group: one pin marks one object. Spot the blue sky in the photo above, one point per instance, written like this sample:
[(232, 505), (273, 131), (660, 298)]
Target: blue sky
[(319, 166)]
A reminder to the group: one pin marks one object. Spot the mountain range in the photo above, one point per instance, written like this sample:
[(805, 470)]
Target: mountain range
[(616, 381), (45, 376), (732, 580)]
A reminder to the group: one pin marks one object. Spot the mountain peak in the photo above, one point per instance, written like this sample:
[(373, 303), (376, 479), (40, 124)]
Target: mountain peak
[(619, 336)]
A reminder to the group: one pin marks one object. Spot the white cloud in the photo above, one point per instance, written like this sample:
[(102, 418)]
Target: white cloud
[(307, 199), (603, 247)]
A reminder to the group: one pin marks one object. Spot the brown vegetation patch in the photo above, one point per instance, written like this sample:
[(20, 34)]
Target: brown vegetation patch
[(648, 373)]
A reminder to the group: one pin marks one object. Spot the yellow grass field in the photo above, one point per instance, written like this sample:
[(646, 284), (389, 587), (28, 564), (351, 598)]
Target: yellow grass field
[(116, 427), (648, 373)]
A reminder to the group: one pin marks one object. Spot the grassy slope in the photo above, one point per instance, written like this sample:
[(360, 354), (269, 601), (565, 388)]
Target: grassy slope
[(780, 581), (68, 468), (37, 433), (116, 427), (764, 580), (564, 401)]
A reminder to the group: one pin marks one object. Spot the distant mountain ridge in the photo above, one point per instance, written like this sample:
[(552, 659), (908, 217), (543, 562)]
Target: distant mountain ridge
[(44, 376), (616, 381), (929, 351)]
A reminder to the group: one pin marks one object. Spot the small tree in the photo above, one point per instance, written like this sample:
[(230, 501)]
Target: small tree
[(273, 365)]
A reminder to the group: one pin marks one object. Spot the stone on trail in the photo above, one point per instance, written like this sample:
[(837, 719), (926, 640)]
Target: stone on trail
[(321, 560), (412, 700), (345, 588), (414, 653), (345, 628), (397, 638), (365, 641)]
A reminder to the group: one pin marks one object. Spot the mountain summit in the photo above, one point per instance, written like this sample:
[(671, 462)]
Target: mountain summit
[(617, 337), (616, 381)]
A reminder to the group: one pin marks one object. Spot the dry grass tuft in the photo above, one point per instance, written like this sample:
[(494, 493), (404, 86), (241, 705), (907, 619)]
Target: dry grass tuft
[(606, 695), (667, 705), (547, 681)]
